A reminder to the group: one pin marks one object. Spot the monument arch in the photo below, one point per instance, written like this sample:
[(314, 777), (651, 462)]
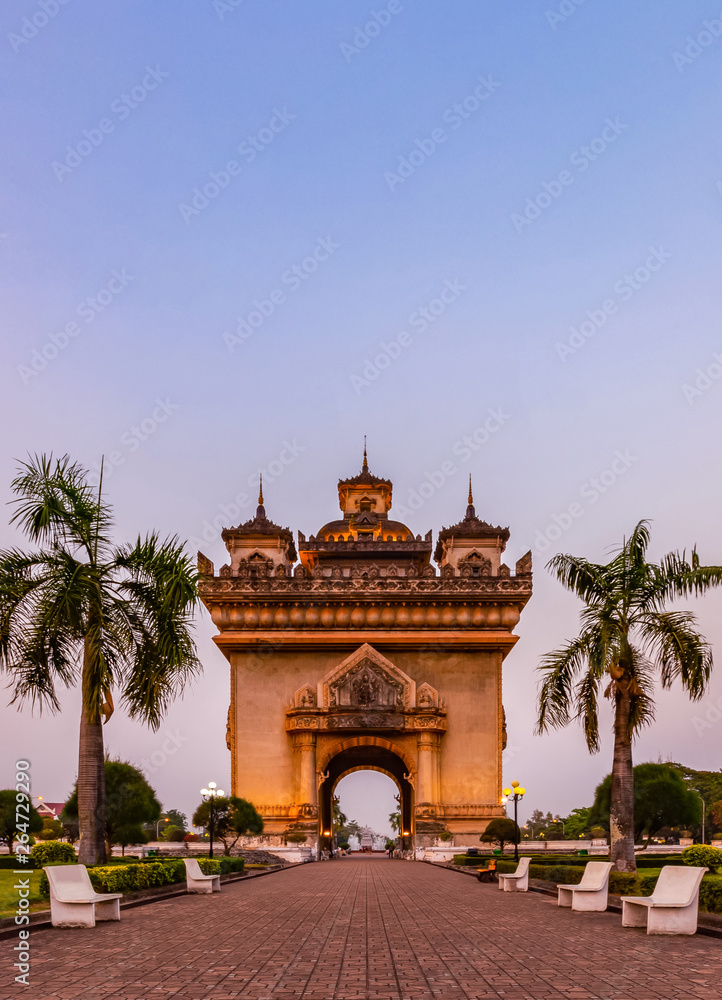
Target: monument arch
[(355, 652)]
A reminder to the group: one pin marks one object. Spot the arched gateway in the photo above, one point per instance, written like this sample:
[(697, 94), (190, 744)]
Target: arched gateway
[(362, 656)]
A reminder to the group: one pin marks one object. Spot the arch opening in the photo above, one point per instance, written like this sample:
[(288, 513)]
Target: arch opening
[(353, 759), (370, 796)]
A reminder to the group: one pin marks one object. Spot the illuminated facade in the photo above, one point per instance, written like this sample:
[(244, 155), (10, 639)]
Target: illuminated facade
[(356, 653)]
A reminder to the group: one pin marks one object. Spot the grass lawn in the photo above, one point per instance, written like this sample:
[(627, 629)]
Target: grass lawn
[(9, 895)]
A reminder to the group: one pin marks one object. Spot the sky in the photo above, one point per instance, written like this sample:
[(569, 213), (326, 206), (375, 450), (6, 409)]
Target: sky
[(237, 236)]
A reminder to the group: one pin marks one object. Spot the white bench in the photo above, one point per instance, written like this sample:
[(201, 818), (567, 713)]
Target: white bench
[(519, 881), (592, 893), (73, 900), (673, 906), (196, 881)]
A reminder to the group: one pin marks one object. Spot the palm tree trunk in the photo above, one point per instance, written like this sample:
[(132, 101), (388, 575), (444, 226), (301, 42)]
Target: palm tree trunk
[(91, 778), (621, 818)]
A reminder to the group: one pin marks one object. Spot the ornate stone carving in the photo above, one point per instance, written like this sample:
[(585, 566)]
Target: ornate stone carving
[(205, 566), (304, 741), (305, 697), (427, 696), (365, 720), (523, 566), (366, 678), (303, 722)]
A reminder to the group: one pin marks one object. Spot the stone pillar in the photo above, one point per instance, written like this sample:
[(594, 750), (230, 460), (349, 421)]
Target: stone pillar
[(304, 753), (427, 784)]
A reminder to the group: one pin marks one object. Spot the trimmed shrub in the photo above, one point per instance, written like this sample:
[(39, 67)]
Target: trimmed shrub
[(701, 856), (710, 894), (231, 865), (53, 852), (210, 866)]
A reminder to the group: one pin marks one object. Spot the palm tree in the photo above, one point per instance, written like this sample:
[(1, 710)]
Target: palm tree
[(82, 609), (628, 636)]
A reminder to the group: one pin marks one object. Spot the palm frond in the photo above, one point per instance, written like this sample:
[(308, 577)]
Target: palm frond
[(680, 650), (639, 676), (561, 666), (159, 595), (583, 578), (55, 503)]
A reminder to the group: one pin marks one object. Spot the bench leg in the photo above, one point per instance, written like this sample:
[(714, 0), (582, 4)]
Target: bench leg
[(633, 915), (565, 897), (72, 914), (108, 911), (673, 920), (590, 902), (193, 886)]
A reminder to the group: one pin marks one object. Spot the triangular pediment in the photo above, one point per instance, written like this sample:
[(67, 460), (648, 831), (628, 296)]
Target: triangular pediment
[(364, 680)]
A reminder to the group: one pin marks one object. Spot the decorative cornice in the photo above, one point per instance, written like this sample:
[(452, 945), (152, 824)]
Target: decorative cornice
[(266, 616), (300, 587)]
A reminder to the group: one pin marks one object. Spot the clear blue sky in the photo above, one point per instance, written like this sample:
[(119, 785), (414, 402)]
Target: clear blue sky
[(542, 171)]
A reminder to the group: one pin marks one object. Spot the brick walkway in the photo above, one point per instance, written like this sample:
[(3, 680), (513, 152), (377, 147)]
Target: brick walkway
[(365, 928)]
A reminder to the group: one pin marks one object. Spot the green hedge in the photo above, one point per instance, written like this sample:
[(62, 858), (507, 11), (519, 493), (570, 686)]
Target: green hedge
[(548, 860), (133, 876), (52, 852), (700, 856), (11, 862), (710, 894)]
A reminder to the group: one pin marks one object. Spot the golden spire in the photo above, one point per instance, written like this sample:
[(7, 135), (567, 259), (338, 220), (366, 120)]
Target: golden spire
[(365, 467), (471, 495), (260, 489)]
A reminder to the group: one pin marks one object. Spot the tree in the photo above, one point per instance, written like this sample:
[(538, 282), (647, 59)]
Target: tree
[(557, 829), (539, 823), (339, 818), (173, 834), (661, 798), (577, 823), (170, 819), (708, 784), (129, 803), (52, 829), (175, 818), (716, 814), (350, 829), (627, 636), (9, 827), (395, 821), (233, 818), (501, 831), (113, 618)]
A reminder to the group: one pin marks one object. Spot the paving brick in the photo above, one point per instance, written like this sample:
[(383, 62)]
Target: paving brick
[(360, 928)]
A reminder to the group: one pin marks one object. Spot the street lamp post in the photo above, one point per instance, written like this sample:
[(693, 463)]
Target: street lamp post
[(210, 795), (516, 793)]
